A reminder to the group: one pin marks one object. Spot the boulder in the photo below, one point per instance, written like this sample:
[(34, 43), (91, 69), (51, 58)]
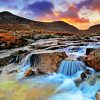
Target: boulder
[(93, 59), (47, 62), (29, 72), (98, 96)]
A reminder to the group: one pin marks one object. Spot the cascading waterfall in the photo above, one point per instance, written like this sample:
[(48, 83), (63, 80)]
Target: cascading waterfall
[(63, 81), (71, 67), (65, 87)]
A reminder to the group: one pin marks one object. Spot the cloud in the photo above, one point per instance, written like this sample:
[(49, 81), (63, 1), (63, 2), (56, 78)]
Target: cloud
[(6, 0), (40, 8), (72, 15), (90, 4)]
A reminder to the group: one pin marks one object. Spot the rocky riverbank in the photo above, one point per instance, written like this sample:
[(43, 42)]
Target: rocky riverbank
[(44, 57)]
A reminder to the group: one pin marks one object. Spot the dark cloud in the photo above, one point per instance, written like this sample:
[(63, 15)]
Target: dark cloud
[(71, 12), (40, 8), (90, 4), (72, 15), (83, 3)]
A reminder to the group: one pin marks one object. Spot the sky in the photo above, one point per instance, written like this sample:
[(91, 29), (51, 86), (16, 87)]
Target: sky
[(79, 13)]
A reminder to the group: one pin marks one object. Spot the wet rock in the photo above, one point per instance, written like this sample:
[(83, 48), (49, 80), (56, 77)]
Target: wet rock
[(13, 57), (98, 96), (30, 72), (4, 61), (93, 59), (33, 72), (47, 62), (82, 58), (17, 56), (38, 46), (88, 50), (56, 47), (12, 71)]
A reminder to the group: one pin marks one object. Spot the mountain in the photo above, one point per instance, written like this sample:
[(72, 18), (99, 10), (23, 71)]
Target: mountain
[(9, 18), (13, 22), (94, 29)]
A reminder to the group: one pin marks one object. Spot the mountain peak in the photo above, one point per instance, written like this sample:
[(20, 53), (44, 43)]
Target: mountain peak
[(6, 13), (7, 17)]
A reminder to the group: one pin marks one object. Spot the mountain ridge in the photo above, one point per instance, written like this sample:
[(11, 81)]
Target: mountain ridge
[(7, 18)]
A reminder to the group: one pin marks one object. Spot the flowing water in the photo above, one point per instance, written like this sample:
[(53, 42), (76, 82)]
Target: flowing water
[(55, 86)]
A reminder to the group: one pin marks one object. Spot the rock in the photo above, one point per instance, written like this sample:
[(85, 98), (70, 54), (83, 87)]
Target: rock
[(56, 47), (88, 50), (47, 62), (98, 96), (12, 71), (12, 58), (93, 59), (29, 72), (4, 61), (82, 58), (17, 56)]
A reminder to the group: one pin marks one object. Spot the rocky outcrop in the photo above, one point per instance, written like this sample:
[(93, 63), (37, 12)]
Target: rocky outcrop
[(43, 62), (4, 61), (47, 62), (11, 58), (93, 59)]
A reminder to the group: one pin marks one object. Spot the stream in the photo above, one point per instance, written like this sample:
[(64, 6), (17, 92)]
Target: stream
[(54, 86)]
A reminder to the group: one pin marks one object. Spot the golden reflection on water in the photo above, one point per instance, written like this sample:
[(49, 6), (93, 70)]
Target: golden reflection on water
[(11, 90)]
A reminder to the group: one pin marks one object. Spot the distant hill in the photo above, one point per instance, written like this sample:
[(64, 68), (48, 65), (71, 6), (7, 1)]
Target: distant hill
[(94, 29), (11, 21)]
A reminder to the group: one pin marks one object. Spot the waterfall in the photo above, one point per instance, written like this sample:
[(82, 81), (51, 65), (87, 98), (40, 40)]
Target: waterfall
[(25, 65), (70, 68), (26, 60), (89, 91), (63, 82), (90, 87)]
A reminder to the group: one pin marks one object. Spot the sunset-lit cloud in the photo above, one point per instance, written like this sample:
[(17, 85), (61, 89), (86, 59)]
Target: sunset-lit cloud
[(80, 13)]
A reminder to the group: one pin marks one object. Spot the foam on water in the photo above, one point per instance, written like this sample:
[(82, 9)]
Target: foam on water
[(63, 81), (70, 67)]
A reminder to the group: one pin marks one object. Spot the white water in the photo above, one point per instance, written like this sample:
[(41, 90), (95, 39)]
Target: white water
[(78, 51), (70, 68), (65, 88)]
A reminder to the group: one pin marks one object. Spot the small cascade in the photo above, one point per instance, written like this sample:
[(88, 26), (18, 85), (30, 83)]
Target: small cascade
[(25, 65), (68, 85), (63, 82), (15, 59), (70, 67), (88, 90), (90, 87), (80, 50), (26, 61)]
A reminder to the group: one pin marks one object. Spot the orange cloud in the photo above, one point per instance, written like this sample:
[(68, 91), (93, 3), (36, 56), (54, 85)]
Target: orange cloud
[(70, 16)]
